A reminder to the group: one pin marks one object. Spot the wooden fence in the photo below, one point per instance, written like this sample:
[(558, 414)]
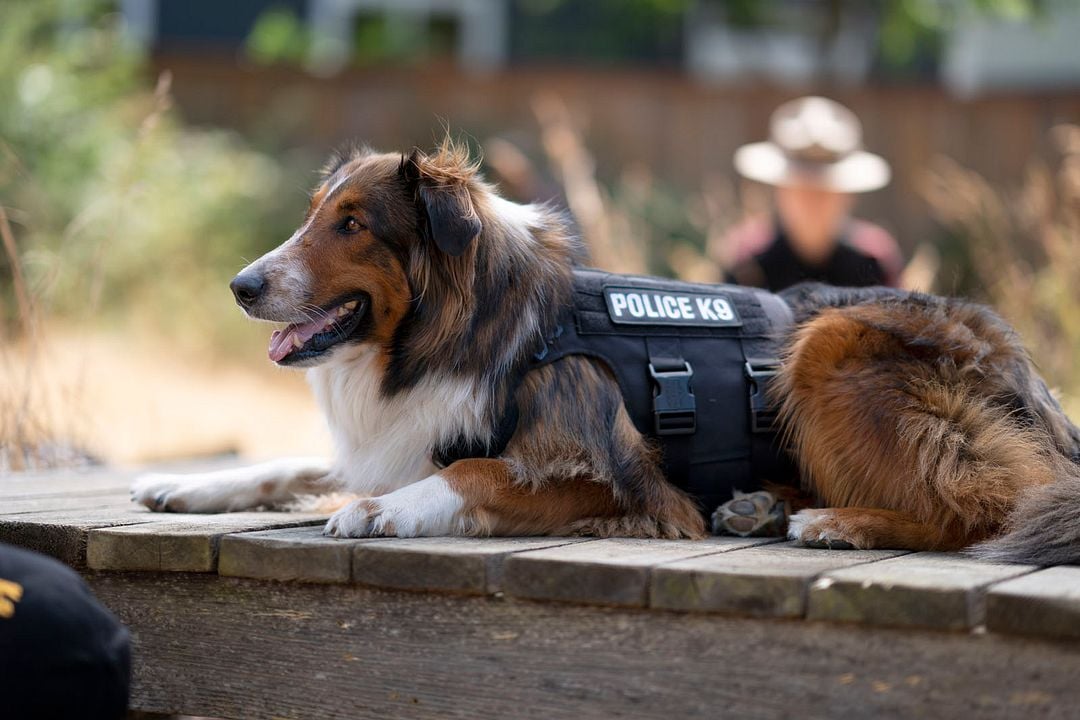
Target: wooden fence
[(680, 128)]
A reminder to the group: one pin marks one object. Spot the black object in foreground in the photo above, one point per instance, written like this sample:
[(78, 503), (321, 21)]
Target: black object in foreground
[(62, 654)]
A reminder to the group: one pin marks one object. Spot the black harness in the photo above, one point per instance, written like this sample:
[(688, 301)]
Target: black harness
[(693, 362)]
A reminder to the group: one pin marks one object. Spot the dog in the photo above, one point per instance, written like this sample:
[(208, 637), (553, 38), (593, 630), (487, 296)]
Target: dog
[(414, 295)]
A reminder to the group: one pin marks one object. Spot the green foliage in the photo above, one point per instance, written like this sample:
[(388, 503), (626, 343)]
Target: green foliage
[(599, 31), (278, 36), (118, 210), (910, 31)]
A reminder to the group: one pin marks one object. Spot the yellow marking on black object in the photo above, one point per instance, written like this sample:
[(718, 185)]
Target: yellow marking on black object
[(10, 593)]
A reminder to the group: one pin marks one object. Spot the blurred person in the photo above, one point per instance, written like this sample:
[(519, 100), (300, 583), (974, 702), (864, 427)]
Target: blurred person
[(62, 655), (815, 162)]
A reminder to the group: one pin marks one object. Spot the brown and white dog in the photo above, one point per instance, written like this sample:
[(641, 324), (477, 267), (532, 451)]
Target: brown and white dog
[(413, 294)]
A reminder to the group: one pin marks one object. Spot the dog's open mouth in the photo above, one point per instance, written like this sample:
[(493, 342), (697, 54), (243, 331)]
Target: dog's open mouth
[(303, 341)]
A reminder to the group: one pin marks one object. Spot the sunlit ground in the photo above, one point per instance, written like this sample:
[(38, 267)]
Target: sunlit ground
[(129, 399)]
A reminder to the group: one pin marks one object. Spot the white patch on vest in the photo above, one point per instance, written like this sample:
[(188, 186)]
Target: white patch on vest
[(664, 307)]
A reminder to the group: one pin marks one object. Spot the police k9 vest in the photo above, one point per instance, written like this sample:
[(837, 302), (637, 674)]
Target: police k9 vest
[(693, 362)]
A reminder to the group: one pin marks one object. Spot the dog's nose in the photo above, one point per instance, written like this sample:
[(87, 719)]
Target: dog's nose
[(247, 287)]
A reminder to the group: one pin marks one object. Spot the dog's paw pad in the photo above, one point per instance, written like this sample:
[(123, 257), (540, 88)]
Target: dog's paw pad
[(757, 514)]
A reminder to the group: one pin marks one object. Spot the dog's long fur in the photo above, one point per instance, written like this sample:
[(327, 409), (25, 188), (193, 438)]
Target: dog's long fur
[(917, 422)]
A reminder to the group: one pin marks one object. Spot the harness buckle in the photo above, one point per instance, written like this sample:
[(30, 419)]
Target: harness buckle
[(674, 407), (764, 416)]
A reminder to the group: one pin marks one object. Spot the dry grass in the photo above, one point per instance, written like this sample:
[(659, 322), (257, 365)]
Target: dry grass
[(1024, 245), (92, 369), (134, 399)]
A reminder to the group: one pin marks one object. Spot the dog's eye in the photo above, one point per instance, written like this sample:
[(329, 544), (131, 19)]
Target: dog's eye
[(351, 225)]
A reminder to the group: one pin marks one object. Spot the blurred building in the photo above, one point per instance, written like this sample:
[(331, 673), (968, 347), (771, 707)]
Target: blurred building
[(671, 85), (787, 41)]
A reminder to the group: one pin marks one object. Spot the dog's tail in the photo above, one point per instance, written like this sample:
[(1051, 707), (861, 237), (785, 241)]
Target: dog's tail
[(1044, 529)]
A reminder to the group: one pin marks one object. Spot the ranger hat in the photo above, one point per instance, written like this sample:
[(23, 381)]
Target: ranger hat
[(813, 140)]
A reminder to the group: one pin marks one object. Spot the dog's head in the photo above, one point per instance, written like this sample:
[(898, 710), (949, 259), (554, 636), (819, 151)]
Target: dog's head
[(381, 231)]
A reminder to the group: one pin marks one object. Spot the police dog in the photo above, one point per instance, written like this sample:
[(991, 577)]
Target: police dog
[(413, 294)]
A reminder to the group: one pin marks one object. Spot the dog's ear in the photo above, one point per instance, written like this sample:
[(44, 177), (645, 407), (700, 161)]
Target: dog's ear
[(440, 184), (451, 217)]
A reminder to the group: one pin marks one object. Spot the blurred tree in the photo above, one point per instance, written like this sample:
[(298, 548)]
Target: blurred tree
[(598, 31), (115, 207), (278, 36), (912, 30), (910, 33)]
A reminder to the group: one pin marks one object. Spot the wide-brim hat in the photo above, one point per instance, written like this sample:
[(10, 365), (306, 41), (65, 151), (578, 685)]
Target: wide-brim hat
[(814, 140)]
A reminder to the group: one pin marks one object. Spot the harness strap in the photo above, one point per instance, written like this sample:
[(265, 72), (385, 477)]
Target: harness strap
[(463, 448), (674, 406), (778, 311), (762, 365)]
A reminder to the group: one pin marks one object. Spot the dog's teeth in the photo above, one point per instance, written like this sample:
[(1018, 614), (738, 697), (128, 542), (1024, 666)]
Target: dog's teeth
[(296, 342), (342, 311), (351, 305)]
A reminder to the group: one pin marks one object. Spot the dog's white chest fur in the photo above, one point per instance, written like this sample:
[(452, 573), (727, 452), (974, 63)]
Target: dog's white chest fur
[(381, 444)]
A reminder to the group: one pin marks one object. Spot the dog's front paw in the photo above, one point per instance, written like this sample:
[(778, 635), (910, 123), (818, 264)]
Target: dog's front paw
[(359, 519), (820, 529), (428, 507), (159, 492)]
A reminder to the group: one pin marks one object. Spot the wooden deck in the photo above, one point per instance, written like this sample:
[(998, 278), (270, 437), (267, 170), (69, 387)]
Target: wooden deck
[(254, 615)]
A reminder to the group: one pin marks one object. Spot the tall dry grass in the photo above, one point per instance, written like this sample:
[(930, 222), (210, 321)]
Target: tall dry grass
[(1023, 244), (119, 221), (633, 224), (42, 415)]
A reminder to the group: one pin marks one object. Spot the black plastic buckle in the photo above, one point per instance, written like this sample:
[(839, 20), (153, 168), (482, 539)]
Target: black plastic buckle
[(763, 415), (674, 407)]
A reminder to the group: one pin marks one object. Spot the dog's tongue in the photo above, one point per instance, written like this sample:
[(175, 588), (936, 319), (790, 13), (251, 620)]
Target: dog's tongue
[(281, 342)]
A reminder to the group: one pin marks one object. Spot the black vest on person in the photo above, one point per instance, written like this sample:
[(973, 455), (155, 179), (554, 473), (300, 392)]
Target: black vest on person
[(781, 267), (692, 361)]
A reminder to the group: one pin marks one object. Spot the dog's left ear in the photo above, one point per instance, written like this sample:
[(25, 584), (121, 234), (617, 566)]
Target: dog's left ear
[(442, 194)]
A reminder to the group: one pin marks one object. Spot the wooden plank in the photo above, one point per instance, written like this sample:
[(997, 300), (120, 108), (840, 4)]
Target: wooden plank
[(613, 571), (63, 534), (932, 590), (181, 543), (229, 647), (300, 553), (94, 479), (769, 581), (455, 564), (63, 483), (1043, 603), (95, 500), (52, 512)]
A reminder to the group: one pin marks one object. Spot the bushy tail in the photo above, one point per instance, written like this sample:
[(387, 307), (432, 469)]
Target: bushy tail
[(1044, 529)]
